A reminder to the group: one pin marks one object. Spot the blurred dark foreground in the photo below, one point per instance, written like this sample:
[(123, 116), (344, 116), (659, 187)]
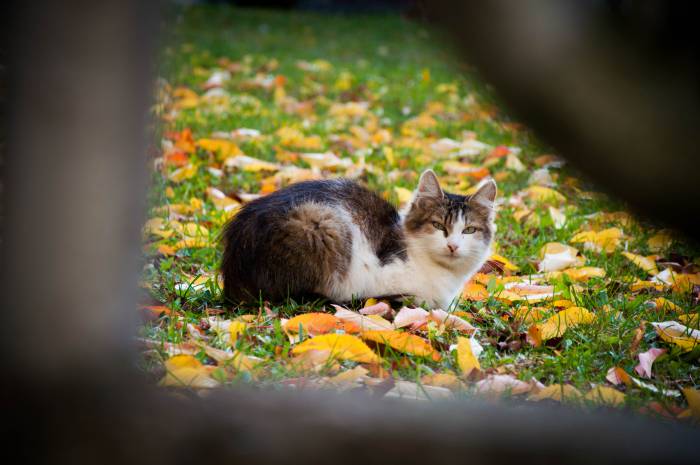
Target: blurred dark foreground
[(73, 190)]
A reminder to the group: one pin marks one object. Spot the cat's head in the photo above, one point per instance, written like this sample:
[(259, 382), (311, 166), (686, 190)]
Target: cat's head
[(453, 230)]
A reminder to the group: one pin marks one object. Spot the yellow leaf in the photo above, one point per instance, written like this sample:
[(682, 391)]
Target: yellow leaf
[(191, 243), (235, 329), (644, 263), (660, 241), (665, 304), (220, 200), (312, 323), (605, 395), (157, 227), (606, 240), (557, 392), (185, 370), (676, 333), (506, 263), (640, 285), (541, 194), (403, 342), (404, 195), (224, 148), (341, 346), (693, 398), (584, 273), (181, 174), (466, 360), (529, 314), (556, 325)]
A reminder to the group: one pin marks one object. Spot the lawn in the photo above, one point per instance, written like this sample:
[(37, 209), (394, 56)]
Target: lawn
[(248, 102)]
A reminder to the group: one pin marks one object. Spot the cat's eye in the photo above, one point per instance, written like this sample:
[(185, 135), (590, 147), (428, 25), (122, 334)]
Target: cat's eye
[(469, 230), (437, 225)]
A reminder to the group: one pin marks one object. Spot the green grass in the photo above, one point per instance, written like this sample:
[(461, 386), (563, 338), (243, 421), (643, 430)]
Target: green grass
[(386, 60)]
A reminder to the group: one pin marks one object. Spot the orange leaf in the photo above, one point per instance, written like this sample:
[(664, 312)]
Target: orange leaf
[(312, 323)]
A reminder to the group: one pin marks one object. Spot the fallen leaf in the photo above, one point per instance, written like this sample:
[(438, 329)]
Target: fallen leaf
[(660, 241), (466, 360), (312, 323), (379, 308), (341, 346), (475, 292), (603, 395), (546, 195), (556, 325), (645, 263), (692, 396), (450, 321), (411, 391), (557, 392), (645, 361), (600, 241), (556, 256), (678, 334), (187, 371), (364, 323), (181, 174), (617, 375), (446, 380), (403, 342), (502, 384), (410, 316)]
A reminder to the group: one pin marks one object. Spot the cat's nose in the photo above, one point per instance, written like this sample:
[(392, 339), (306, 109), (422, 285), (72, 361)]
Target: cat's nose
[(453, 247)]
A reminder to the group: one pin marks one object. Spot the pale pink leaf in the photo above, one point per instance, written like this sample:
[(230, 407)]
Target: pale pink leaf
[(646, 359), (410, 316)]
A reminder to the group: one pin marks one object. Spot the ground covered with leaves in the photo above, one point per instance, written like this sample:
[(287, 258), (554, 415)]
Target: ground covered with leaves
[(581, 303)]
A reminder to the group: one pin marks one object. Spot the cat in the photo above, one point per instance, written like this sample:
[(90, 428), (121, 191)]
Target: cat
[(339, 240)]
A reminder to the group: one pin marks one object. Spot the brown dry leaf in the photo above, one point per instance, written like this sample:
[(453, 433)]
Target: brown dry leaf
[(403, 342), (557, 392), (312, 323), (341, 346), (603, 395), (606, 240), (556, 325), (466, 360), (646, 359), (645, 263), (187, 371)]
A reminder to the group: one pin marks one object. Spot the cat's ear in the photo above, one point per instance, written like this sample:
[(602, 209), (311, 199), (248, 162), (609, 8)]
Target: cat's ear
[(485, 193), (429, 186)]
